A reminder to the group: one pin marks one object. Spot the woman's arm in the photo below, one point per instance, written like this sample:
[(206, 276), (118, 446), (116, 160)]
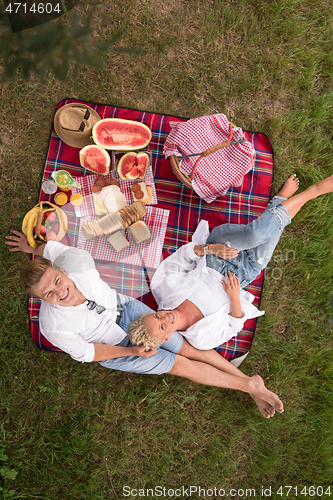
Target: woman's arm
[(231, 286), (218, 249)]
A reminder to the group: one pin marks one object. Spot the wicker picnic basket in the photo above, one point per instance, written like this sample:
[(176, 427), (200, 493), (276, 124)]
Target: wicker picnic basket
[(187, 179)]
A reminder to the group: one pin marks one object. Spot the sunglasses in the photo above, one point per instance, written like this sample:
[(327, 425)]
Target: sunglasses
[(83, 125)]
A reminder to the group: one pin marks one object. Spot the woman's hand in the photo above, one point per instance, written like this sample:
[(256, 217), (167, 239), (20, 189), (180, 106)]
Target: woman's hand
[(231, 285), (223, 251), (19, 242)]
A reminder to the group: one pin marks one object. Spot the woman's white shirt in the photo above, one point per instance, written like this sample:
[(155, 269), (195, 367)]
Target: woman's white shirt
[(181, 275)]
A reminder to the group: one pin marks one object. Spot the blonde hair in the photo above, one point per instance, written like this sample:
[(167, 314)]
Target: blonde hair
[(139, 334), (32, 273)]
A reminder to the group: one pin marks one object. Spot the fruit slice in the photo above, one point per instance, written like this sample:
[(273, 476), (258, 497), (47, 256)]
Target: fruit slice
[(125, 165), (133, 165), (134, 173), (143, 162), (96, 159), (121, 135)]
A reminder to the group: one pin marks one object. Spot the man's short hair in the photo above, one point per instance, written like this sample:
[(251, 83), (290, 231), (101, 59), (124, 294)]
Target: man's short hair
[(33, 272), (139, 334)]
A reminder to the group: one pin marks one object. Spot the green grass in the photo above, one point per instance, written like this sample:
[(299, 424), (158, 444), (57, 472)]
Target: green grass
[(71, 430)]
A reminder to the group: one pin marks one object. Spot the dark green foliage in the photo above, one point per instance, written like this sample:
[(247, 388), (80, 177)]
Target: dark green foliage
[(60, 47)]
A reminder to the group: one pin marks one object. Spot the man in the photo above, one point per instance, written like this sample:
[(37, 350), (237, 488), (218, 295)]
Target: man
[(83, 316)]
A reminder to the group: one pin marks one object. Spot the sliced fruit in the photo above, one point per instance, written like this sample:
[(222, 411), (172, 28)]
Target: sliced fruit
[(121, 135), (125, 164), (133, 165), (143, 162), (134, 173), (96, 159)]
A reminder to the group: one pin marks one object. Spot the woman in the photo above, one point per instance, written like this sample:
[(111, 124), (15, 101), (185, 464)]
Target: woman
[(191, 295)]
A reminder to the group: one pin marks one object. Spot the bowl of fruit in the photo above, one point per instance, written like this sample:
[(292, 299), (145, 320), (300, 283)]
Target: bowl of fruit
[(43, 223)]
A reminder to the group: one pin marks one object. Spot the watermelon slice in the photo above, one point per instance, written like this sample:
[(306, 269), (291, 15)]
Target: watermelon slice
[(132, 165), (96, 159), (134, 173), (125, 164), (121, 135), (143, 162)]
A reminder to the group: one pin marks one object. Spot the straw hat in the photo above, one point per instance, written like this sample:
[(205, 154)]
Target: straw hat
[(74, 122)]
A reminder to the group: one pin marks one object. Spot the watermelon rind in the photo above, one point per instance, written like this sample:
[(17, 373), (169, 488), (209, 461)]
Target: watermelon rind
[(143, 162), (121, 135), (125, 164), (96, 159)]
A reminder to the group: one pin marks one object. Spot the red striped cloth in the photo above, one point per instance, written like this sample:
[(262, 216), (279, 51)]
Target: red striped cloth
[(219, 171)]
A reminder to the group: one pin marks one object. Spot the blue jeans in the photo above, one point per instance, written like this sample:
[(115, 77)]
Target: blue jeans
[(161, 362), (255, 241)]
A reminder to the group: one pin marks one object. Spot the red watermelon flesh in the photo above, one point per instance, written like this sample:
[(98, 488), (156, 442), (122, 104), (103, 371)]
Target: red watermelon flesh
[(96, 159), (118, 134), (132, 165), (143, 163), (133, 173), (125, 164)]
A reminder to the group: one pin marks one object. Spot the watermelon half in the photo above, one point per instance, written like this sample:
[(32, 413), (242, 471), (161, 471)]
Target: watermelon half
[(121, 135), (133, 166), (96, 159)]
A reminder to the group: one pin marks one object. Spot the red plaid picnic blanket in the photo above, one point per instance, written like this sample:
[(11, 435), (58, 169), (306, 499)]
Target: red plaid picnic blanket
[(239, 205), (219, 171)]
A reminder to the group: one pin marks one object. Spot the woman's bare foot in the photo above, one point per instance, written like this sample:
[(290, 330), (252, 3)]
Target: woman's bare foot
[(295, 203), (259, 390), (290, 187), (265, 408)]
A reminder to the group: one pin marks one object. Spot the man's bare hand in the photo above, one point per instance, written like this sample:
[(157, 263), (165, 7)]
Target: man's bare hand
[(223, 251), (139, 350), (18, 242)]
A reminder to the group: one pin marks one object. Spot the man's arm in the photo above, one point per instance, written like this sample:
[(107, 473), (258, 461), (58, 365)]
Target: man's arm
[(19, 243), (106, 351)]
